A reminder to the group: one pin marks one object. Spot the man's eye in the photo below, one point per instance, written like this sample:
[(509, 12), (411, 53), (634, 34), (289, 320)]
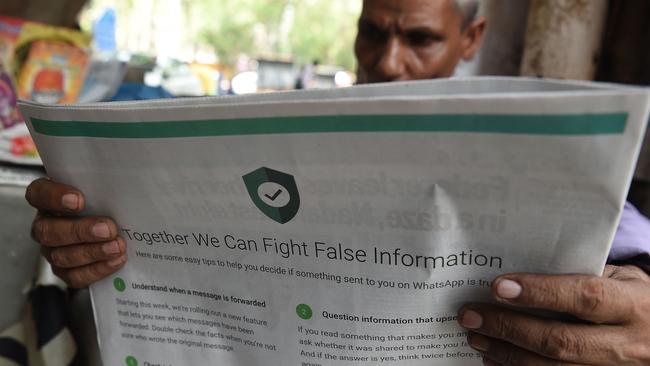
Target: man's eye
[(372, 33), (421, 39)]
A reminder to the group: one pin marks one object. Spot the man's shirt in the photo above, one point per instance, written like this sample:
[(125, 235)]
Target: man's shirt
[(632, 240)]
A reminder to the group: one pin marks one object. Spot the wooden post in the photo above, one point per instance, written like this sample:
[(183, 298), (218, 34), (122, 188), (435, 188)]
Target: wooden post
[(563, 38)]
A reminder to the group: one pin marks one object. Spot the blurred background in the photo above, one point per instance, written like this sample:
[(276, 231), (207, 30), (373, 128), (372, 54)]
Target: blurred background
[(200, 47), (230, 46), (79, 51)]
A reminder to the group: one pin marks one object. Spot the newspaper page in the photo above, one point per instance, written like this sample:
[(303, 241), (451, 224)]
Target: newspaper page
[(339, 227)]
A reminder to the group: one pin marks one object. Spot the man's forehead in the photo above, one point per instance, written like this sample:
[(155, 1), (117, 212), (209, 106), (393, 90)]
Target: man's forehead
[(411, 13)]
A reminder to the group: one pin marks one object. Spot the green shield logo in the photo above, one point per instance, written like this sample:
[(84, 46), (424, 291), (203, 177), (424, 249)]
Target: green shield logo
[(275, 193)]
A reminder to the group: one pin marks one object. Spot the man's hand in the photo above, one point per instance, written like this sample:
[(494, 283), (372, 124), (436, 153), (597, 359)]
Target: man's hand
[(615, 310), (82, 250)]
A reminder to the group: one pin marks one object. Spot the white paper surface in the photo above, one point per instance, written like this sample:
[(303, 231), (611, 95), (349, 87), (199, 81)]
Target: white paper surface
[(412, 198)]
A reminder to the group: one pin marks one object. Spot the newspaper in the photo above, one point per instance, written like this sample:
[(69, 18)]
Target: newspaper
[(339, 227)]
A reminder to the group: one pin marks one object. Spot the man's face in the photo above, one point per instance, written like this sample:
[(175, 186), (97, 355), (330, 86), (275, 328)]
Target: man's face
[(413, 39)]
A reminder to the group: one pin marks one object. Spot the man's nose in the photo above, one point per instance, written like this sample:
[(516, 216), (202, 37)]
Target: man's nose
[(391, 64)]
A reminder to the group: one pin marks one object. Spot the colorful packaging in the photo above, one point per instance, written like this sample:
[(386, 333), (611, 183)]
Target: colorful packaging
[(10, 29), (17, 146), (53, 72), (9, 114), (23, 146)]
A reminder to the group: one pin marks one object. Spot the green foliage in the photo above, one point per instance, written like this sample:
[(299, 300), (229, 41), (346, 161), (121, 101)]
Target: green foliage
[(306, 30), (302, 30), (325, 30)]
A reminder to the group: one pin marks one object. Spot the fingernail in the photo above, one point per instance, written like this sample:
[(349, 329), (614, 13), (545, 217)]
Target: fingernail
[(471, 320), (101, 230), (479, 342), (70, 201), (508, 289), (116, 262), (111, 248)]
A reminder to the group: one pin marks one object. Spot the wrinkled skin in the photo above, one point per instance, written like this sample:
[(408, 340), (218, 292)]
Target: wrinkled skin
[(413, 39), (612, 324), (81, 250)]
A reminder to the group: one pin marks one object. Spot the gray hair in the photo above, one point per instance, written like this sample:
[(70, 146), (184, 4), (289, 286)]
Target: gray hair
[(469, 9)]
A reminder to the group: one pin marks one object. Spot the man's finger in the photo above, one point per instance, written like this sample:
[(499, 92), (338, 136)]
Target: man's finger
[(503, 353), (79, 255), (61, 231), (80, 277), (49, 196), (625, 273), (595, 299), (556, 340)]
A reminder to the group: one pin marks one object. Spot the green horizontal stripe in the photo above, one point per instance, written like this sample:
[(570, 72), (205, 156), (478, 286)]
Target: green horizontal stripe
[(569, 124)]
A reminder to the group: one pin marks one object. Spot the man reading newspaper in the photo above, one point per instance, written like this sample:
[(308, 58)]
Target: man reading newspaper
[(419, 39)]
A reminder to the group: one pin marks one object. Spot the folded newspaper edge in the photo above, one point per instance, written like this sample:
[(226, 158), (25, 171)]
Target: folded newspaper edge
[(325, 227)]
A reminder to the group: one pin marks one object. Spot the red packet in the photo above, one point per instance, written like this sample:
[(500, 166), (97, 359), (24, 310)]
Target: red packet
[(23, 146), (53, 73)]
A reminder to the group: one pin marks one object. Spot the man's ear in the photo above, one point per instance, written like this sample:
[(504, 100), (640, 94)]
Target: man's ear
[(473, 37)]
